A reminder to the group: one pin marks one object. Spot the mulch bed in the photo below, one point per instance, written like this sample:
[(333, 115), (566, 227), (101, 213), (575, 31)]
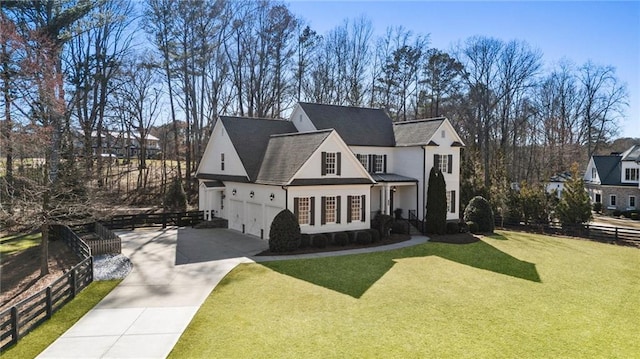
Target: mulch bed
[(460, 238), (395, 238)]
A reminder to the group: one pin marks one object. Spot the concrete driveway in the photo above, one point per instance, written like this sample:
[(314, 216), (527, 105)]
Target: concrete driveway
[(174, 270)]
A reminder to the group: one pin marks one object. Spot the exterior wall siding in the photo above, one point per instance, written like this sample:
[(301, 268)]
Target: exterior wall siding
[(220, 143), (622, 196)]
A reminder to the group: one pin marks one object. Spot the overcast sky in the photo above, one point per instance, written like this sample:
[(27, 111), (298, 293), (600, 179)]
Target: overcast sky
[(607, 33)]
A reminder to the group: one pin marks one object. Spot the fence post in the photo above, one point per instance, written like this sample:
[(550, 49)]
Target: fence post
[(616, 237), (164, 220), (14, 324), (73, 283), (49, 302)]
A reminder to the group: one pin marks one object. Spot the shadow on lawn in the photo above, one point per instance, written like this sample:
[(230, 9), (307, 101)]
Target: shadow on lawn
[(355, 274)]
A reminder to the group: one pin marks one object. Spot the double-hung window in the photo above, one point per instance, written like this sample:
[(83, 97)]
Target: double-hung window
[(356, 208), (222, 162), (364, 159), (330, 210), (612, 200), (379, 164), (632, 201), (303, 210), (443, 162), (330, 163), (631, 174)]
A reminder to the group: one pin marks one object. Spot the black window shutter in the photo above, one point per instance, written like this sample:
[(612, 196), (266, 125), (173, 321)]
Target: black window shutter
[(296, 211), (371, 162), (323, 165), (312, 211), (337, 209), (338, 163), (384, 163), (363, 207), (349, 199), (436, 161), (450, 164), (323, 210), (453, 201)]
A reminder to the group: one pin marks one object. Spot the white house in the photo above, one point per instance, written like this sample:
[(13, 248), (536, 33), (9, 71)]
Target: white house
[(614, 180), (333, 166)]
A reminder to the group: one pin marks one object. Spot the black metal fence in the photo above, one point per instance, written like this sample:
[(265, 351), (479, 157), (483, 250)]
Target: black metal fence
[(131, 221)]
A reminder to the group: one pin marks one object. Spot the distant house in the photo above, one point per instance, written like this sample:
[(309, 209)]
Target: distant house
[(556, 183), (334, 167), (613, 180), (121, 144)]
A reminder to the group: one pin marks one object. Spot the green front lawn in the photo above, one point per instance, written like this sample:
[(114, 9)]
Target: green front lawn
[(511, 295)]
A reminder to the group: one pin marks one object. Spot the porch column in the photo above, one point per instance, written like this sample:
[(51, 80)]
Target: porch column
[(386, 198)]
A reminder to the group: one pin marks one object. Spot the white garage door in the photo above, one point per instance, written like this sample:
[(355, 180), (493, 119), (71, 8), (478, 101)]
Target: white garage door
[(236, 215), (254, 219)]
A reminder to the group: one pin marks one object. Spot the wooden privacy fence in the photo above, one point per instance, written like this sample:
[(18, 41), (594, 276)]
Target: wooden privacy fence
[(23, 317), (588, 231), (106, 242), (132, 221)]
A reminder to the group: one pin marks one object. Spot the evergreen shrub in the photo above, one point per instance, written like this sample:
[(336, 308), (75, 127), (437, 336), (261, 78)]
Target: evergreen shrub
[(284, 234)]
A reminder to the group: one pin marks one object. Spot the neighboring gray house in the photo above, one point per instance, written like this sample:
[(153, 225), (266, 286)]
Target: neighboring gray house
[(613, 180)]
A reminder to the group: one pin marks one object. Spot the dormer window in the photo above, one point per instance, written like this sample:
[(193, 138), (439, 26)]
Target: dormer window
[(330, 163)]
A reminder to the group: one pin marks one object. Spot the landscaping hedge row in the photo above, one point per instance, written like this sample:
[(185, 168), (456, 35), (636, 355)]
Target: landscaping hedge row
[(322, 240)]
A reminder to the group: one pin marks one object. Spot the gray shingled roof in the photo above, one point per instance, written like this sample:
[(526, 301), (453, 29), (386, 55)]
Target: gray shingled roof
[(391, 177), (356, 125), (609, 169), (250, 136), (416, 133), (285, 154)]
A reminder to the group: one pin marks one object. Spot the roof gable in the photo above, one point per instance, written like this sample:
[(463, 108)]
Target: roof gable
[(285, 155), (418, 132), (250, 138), (609, 169), (357, 126), (632, 154)]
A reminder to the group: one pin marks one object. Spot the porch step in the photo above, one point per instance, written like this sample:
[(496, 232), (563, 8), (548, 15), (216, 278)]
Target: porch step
[(414, 231)]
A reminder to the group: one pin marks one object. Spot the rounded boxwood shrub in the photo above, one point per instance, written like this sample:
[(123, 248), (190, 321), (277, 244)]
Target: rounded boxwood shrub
[(383, 223), (319, 240), (375, 235), (463, 227), (363, 237), (305, 240), (341, 238), (400, 227), (453, 228), (352, 236), (473, 227), (597, 207), (479, 211), (284, 234)]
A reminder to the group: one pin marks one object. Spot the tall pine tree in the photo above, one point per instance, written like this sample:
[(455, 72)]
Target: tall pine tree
[(575, 206), (436, 217)]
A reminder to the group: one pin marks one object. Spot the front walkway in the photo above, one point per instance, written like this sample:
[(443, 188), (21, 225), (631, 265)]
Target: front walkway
[(174, 271)]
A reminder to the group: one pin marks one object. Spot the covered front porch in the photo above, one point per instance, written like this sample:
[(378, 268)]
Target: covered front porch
[(393, 192)]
